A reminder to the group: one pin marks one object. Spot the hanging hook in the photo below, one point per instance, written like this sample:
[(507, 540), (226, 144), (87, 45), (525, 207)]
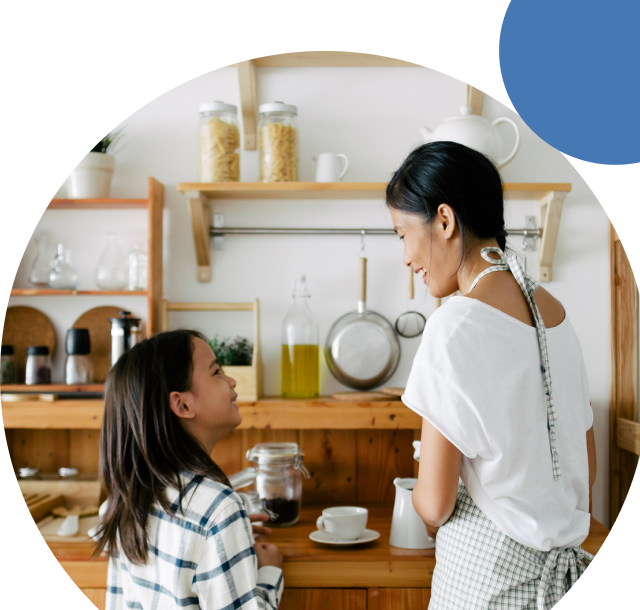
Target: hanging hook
[(362, 234)]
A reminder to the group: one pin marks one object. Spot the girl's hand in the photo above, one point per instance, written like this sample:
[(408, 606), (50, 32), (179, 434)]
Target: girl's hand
[(432, 531), (259, 529), (268, 555)]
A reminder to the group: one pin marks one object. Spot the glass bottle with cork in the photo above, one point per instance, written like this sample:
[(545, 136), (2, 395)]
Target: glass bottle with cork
[(300, 363)]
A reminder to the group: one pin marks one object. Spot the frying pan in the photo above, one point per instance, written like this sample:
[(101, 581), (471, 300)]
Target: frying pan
[(362, 348)]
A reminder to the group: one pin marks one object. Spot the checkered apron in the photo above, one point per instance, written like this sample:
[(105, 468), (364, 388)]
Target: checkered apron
[(478, 566)]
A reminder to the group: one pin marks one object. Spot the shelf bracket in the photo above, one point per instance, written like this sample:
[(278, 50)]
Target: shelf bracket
[(550, 212), (200, 214), (248, 102)]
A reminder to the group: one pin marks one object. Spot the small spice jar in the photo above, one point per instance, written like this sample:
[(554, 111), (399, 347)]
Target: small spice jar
[(38, 368), (8, 372), (278, 142), (219, 143), (78, 368), (68, 473), (28, 473), (279, 481)]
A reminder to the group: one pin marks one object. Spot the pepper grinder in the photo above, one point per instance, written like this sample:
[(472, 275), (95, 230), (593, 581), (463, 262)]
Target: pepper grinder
[(78, 368)]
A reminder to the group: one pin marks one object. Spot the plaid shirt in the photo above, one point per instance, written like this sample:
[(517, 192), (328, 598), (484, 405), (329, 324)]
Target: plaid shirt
[(203, 558)]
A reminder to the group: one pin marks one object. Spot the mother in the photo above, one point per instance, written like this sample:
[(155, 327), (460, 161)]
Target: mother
[(507, 458)]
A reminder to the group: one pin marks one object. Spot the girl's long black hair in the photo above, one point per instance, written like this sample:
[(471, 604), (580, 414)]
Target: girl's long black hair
[(143, 446), (463, 178)]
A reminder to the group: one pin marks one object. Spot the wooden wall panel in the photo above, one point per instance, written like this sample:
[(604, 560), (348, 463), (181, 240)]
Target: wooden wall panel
[(47, 450), (382, 455), (330, 458), (324, 599), (394, 599), (84, 450)]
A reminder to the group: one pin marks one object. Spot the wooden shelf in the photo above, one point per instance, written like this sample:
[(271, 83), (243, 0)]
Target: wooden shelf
[(51, 388), (330, 59), (268, 413), (49, 292), (199, 195), (96, 204)]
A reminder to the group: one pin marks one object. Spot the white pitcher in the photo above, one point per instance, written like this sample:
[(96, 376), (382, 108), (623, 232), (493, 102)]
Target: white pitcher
[(408, 531)]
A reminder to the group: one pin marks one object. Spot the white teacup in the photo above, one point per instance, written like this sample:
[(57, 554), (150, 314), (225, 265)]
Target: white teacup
[(343, 522), (328, 167)]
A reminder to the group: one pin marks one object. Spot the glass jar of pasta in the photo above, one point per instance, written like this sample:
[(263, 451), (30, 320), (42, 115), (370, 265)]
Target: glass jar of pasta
[(219, 143), (278, 142)]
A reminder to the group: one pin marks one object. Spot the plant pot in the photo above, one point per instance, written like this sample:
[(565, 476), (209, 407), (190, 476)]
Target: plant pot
[(92, 178)]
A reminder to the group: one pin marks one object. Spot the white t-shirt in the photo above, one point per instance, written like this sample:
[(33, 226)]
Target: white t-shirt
[(476, 378)]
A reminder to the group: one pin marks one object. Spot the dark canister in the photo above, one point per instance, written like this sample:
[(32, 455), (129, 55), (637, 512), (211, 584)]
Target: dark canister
[(8, 372), (126, 331), (38, 368), (78, 368)]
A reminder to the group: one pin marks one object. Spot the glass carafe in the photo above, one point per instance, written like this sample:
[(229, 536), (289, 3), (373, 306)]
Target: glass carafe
[(112, 271), (300, 361), (41, 267), (63, 275), (138, 269)]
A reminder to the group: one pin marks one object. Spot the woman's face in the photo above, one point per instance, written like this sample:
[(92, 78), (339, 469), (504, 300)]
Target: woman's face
[(431, 250)]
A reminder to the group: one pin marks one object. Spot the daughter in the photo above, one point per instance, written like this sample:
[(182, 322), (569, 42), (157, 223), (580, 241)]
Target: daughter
[(176, 533)]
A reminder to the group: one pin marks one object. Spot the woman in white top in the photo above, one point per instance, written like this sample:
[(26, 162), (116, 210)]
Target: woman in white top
[(507, 456)]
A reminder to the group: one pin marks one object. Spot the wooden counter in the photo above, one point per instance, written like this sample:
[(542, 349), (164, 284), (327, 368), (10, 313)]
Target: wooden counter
[(312, 567)]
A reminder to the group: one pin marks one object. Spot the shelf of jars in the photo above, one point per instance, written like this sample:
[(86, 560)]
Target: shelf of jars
[(49, 292), (272, 413)]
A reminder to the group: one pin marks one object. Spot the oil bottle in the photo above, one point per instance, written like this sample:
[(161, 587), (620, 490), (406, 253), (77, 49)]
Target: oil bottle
[(300, 364)]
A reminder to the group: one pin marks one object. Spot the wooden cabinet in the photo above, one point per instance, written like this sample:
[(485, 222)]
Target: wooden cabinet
[(324, 599), (396, 599)]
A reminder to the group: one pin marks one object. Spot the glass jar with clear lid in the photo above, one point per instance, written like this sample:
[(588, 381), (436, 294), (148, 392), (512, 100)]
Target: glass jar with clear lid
[(278, 481), (219, 143), (278, 142)]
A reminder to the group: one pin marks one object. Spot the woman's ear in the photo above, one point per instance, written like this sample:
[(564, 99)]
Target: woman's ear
[(179, 406), (446, 220)]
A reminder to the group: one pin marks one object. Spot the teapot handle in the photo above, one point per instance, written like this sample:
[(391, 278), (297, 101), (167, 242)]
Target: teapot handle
[(512, 154)]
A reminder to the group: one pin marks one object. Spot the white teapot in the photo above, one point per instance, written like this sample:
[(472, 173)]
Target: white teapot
[(475, 132)]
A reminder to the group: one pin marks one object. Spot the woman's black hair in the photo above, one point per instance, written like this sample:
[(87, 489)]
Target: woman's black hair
[(143, 446), (463, 178)]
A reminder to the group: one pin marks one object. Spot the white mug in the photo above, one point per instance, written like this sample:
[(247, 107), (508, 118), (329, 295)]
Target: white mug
[(343, 522), (328, 167)]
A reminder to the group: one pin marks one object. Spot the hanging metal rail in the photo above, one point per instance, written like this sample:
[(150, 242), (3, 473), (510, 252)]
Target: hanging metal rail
[(222, 231)]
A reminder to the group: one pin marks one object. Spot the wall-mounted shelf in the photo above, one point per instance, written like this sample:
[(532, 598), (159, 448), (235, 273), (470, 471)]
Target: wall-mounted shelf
[(199, 196), (96, 204), (265, 414), (49, 292), (50, 388)]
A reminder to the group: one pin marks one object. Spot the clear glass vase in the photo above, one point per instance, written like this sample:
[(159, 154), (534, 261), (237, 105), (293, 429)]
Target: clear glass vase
[(41, 267), (138, 269), (112, 271), (63, 275)]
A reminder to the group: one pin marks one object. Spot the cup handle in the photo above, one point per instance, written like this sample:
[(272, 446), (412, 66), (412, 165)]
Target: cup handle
[(321, 527), (346, 165)]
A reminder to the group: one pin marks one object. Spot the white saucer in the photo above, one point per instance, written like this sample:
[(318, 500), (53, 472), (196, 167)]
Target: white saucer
[(366, 536)]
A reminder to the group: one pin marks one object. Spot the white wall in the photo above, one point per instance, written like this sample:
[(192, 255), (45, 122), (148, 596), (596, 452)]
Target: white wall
[(372, 115)]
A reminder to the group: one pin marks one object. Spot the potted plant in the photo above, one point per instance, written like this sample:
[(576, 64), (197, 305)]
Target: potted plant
[(92, 178)]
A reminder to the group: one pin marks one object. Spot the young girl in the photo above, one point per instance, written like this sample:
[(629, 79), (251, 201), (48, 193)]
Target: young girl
[(177, 535), (509, 532)]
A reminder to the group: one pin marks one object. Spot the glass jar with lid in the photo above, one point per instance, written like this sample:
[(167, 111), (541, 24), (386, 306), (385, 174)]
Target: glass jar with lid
[(38, 367), (278, 481), (8, 372), (278, 142), (219, 143)]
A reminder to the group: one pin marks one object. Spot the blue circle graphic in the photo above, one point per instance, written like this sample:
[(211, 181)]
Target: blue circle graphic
[(572, 71)]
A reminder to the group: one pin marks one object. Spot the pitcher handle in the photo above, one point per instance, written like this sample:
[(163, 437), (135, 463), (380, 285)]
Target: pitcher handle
[(512, 154), (346, 165)]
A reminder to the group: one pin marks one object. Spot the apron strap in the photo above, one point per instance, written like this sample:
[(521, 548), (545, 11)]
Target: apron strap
[(569, 564), (508, 261)]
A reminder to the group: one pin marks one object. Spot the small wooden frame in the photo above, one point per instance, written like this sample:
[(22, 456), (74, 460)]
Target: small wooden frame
[(248, 378)]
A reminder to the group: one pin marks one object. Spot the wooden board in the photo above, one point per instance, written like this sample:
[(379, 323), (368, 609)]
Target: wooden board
[(96, 320), (82, 492), (98, 597), (41, 504), (393, 599), (323, 599), (26, 326), (393, 391), (363, 396)]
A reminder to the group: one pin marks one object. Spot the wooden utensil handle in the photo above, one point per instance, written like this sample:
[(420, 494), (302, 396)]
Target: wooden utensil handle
[(436, 303), (411, 292), (362, 279)]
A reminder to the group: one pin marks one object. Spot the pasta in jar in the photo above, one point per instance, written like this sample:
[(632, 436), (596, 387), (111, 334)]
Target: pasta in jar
[(219, 143), (278, 143)]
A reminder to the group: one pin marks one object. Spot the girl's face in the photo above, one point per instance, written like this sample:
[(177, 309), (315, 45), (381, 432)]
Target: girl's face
[(431, 250), (209, 411)]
